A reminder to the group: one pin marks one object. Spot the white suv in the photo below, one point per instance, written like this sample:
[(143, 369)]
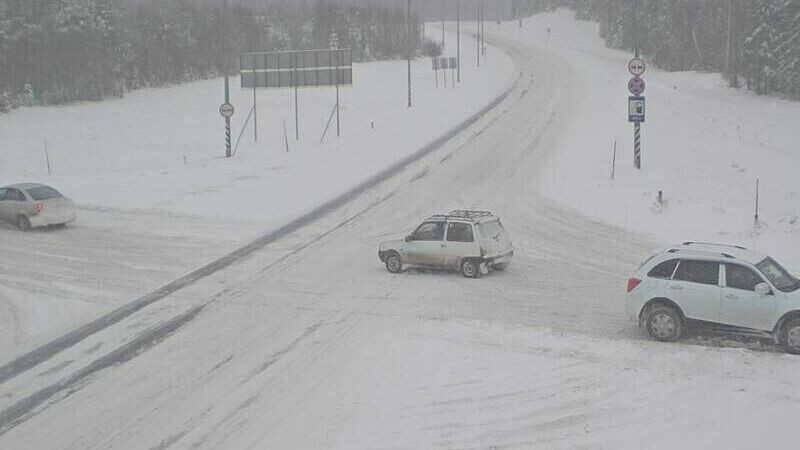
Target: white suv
[(734, 289), (470, 241)]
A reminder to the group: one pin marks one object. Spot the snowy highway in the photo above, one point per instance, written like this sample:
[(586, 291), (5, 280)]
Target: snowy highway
[(310, 343)]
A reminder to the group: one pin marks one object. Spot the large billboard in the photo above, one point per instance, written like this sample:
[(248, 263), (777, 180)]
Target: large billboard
[(303, 68)]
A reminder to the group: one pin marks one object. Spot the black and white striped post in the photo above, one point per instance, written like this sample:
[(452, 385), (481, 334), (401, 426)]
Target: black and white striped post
[(226, 111), (636, 104), (637, 145)]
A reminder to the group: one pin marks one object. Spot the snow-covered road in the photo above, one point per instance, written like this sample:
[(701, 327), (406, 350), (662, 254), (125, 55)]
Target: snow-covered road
[(310, 343)]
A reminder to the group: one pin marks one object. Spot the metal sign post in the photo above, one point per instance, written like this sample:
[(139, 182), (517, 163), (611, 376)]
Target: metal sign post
[(255, 116), (295, 70), (435, 62), (636, 105), (226, 111)]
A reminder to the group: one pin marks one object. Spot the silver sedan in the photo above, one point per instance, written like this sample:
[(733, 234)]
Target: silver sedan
[(31, 205)]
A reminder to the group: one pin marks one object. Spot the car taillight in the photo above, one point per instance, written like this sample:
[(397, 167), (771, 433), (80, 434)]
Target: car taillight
[(483, 251), (39, 207), (632, 283)]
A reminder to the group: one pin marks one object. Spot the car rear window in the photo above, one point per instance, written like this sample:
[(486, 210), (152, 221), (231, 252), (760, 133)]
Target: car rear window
[(663, 270), (43, 193), (459, 232), (490, 230), (697, 271)]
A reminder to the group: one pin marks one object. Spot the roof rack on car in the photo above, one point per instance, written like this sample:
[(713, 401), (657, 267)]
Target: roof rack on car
[(700, 252), (463, 215), (714, 244)]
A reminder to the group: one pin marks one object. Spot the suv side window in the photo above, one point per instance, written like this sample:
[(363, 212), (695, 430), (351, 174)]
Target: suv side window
[(696, 271), (663, 270), (429, 231), (3, 193), (740, 277), (459, 232)]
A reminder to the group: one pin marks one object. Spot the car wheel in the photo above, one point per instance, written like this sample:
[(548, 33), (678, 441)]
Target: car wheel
[(791, 336), (664, 323), (470, 269), (23, 223), (393, 263), (500, 267)]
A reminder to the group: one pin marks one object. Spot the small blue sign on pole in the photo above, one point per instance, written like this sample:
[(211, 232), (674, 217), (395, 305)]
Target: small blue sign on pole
[(636, 109)]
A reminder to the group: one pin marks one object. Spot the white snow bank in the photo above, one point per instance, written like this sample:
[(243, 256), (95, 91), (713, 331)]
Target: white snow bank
[(162, 148), (704, 145)]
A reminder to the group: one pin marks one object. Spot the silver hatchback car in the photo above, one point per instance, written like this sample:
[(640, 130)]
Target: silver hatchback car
[(32, 205)]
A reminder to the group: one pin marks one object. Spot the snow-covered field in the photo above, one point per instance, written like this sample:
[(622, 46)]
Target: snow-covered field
[(158, 199), (704, 146), (310, 343)]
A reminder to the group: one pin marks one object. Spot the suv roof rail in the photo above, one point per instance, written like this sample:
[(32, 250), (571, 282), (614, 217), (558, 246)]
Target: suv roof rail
[(700, 252), (464, 215), (713, 244)]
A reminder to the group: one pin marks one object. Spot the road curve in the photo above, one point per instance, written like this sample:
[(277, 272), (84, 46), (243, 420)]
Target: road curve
[(285, 334)]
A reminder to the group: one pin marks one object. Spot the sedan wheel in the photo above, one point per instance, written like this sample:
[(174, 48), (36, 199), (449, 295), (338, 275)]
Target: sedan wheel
[(393, 263), (664, 324), (23, 223)]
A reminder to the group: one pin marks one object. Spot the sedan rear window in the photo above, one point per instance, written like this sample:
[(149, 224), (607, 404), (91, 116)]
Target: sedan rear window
[(43, 193)]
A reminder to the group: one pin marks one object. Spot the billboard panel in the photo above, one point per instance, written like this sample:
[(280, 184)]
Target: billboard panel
[(304, 68)]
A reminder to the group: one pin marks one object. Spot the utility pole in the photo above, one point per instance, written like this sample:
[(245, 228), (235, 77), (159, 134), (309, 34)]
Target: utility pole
[(483, 29), (296, 101), (478, 25), (408, 38), (255, 114), (458, 38), (443, 45)]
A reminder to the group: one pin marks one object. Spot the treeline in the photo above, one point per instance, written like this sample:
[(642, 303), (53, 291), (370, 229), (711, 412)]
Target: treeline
[(753, 43), (58, 51)]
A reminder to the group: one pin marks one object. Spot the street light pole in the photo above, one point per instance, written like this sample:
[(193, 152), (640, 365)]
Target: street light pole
[(458, 38), (478, 25), (408, 38)]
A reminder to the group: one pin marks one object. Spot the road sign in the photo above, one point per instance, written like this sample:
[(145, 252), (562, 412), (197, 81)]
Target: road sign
[(226, 110), (636, 109), (445, 62), (296, 69), (636, 67), (636, 86)]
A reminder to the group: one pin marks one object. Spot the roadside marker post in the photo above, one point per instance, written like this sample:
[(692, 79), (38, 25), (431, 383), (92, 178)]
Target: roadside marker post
[(226, 110), (636, 105)]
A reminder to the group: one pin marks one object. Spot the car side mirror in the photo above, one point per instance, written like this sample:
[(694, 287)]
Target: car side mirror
[(408, 238), (763, 289)]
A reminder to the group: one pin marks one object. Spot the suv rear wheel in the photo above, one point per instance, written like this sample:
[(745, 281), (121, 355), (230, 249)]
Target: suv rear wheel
[(393, 263), (791, 336), (664, 323), (470, 268)]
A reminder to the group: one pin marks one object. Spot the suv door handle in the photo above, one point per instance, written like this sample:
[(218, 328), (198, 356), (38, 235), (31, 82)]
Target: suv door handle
[(677, 287), (732, 296)]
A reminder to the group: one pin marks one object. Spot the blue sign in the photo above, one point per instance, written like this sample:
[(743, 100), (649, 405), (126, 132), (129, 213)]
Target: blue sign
[(636, 109)]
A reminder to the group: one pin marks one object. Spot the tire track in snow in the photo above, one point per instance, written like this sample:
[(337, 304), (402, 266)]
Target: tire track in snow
[(47, 351)]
